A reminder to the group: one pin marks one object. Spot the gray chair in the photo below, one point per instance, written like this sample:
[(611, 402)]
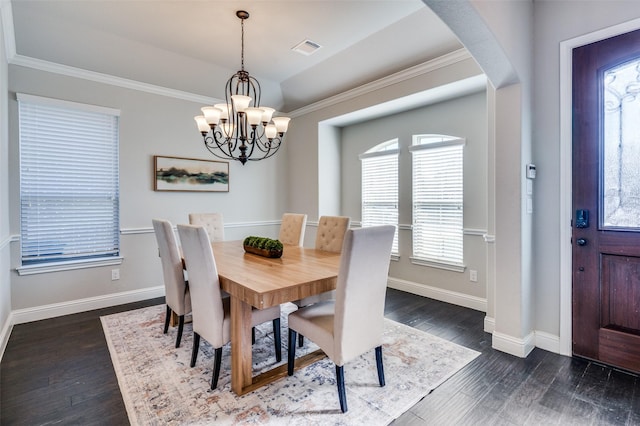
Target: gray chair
[(352, 324), (211, 312), (176, 287), (330, 237), (292, 229), (213, 223)]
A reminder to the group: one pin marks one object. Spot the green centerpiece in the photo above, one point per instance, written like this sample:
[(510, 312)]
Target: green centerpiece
[(263, 246)]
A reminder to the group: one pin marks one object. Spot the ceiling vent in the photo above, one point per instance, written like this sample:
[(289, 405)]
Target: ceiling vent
[(306, 47)]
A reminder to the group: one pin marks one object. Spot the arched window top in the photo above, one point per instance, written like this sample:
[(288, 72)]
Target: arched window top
[(433, 141), (384, 148)]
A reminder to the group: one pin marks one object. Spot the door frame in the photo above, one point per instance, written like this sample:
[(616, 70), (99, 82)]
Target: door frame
[(566, 170)]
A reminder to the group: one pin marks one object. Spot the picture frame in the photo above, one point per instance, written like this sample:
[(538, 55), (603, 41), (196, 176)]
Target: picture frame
[(190, 174)]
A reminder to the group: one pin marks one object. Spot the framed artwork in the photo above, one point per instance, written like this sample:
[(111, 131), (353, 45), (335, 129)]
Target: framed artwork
[(190, 174)]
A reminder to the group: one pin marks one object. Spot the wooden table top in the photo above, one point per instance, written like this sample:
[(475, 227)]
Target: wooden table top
[(263, 282)]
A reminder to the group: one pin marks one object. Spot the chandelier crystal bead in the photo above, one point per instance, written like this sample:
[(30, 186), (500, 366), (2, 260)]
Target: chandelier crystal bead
[(240, 129)]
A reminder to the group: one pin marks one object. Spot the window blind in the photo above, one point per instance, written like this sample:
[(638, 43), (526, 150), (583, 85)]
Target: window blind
[(380, 191), (437, 202), (69, 182)]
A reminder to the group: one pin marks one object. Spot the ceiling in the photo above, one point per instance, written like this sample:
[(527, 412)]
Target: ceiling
[(194, 46)]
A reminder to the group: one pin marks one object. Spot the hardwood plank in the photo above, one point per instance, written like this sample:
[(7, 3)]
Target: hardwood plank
[(59, 371)]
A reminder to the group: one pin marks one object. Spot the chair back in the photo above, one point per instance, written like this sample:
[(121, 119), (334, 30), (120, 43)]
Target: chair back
[(292, 229), (331, 231), (213, 223), (172, 270), (204, 284), (361, 290)]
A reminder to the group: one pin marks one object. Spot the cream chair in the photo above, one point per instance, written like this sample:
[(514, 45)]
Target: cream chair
[(352, 324), (330, 235), (212, 222), (211, 313), (292, 229), (176, 288)]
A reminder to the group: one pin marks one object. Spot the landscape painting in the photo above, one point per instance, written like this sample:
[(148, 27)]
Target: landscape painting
[(189, 174)]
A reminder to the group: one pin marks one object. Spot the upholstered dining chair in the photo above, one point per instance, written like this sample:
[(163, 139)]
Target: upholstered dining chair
[(330, 235), (213, 223), (292, 229), (352, 324), (176, 287), (211, 312)]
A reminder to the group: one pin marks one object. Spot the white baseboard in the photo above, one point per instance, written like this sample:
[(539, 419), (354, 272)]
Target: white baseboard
[(548, 342), (37, 313), (6, 332), (512, 345), (460, 299), (489, 324)]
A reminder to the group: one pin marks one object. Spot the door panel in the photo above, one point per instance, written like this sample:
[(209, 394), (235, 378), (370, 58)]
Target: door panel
[(606, 183)]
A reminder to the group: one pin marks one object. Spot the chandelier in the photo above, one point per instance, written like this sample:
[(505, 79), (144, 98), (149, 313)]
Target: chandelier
[(240, 129)]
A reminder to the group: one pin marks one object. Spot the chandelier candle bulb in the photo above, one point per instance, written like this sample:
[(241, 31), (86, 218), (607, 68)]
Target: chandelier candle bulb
[(224, 108), (203, 126), (240, 102), (240, 129), (282, 124), (211, 115), (267, 113), (270, 131), (254, 115)]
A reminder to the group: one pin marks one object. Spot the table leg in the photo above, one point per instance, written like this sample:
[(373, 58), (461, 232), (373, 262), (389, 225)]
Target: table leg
[(241, 355)]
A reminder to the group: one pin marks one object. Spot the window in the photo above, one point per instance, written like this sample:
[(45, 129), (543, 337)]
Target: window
[(437, 201), (69, 196), (380, 187)]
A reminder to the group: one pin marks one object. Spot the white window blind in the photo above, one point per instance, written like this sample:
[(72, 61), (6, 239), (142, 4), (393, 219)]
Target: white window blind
[(380, 189), (69, 183), (437, 200)]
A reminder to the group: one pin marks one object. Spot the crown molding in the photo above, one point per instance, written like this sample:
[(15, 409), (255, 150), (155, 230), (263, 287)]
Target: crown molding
[(52, 67), (407, 74)]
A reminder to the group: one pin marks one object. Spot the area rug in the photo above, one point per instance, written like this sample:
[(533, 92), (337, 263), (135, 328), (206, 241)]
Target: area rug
[(159, 387)]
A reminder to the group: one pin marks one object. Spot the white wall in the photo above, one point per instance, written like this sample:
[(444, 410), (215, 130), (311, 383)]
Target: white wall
[(5, 234), (150, 125), (464, 117)]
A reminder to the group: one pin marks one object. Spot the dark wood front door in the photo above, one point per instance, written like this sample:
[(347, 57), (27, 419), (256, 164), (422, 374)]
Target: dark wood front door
[(606, 201)]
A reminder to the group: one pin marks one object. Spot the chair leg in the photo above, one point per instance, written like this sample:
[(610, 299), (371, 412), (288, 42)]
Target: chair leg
[(379, 365), (277, 340), (196, 347), (301, 340), (292, 351), (253, 335), (180, 328), (166, 320), (216, 368), (342, 395)]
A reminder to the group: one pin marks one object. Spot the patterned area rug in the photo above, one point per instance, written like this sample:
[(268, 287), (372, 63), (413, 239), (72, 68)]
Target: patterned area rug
[(159, 387)]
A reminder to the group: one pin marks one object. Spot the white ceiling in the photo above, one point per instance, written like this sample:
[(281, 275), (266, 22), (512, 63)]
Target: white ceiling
[(194, 46)]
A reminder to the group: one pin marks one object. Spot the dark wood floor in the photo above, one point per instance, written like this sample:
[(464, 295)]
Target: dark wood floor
[(59, 371)]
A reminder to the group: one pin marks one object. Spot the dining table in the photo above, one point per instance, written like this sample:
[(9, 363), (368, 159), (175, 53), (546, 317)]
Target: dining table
[(254, 281)]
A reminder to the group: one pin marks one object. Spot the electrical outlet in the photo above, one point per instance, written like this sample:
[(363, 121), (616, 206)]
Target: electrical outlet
[(115, 274), (473, 275)]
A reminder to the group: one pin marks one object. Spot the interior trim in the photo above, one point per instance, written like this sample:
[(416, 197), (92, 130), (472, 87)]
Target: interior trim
[(53, 310), (460, 299)]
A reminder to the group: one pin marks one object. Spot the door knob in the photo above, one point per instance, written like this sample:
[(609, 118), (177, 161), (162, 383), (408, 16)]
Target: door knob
[(581, 242)]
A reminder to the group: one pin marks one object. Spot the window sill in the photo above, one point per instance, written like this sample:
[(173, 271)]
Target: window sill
[(395, 257), (43, 268), (455, 267)]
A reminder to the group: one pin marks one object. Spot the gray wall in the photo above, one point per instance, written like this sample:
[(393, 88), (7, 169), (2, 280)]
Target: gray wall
[(464, 117), (149, 125)]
